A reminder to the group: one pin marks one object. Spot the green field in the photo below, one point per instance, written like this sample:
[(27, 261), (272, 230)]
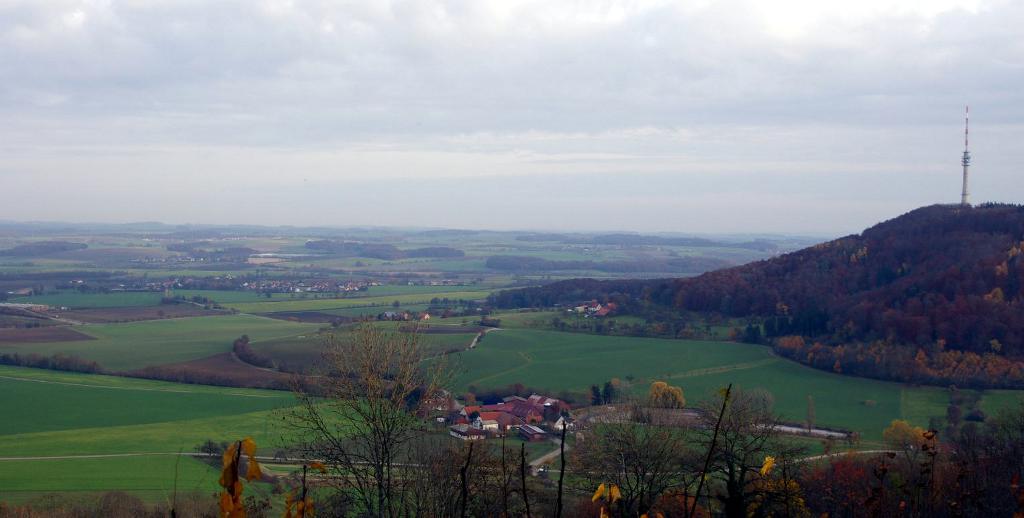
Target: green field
[(133, 345), (151, 478), (312, 304), (52, 414), (306, 349), (45, 401), (76, 300), (563, 361)]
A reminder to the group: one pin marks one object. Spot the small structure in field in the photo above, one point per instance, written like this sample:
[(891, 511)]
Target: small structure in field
[(532, 433), (466, 432)]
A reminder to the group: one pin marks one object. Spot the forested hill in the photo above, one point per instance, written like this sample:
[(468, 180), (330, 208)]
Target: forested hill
[(940, 281)]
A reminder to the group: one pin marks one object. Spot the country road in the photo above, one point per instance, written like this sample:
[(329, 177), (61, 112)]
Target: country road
[(476, 339), (550, 456)]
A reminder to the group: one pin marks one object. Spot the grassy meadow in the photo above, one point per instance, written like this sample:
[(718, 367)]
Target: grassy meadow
[(56, 414), (133, 345)]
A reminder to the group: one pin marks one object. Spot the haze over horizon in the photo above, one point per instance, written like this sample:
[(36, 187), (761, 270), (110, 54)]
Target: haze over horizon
[(818, 118)]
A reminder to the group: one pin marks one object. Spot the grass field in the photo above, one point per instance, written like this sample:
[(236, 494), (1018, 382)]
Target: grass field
[(306, 349), (326, 304), (151, 478), (66, 414), (76, 300), (45, 401), (563, 361), (134, 345)]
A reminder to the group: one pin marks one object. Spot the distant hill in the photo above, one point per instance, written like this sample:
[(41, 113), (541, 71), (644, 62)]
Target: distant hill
[(646, 240), (934, 295), (677, 265)]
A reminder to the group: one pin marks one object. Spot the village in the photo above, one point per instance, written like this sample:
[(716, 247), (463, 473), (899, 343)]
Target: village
[(535, 418)]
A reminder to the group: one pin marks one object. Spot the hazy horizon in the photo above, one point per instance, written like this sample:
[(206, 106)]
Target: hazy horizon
[(413, 229), (715, 117)]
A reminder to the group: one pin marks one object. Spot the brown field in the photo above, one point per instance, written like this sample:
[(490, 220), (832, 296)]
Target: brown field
[(8, 320), (315, 317), (220, 369), (134, 314), (427, 329), (41, 335)]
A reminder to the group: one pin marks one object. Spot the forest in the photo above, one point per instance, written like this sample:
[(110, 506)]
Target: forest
[(940, 286)]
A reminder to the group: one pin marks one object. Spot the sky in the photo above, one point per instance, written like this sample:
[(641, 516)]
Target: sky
[(736, 116)]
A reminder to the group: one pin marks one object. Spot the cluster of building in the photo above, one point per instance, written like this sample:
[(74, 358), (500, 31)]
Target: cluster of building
[(533, 418), (308, 286), (595, 309), (439, 282), (403, 316)]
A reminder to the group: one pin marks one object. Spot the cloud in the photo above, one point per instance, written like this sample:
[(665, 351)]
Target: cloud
[(268, 92)]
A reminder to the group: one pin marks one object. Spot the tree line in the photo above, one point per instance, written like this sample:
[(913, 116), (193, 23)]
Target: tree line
[(944, 281)]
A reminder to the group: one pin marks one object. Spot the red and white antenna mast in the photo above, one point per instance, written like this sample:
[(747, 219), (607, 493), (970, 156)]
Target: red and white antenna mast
[(966, 160)]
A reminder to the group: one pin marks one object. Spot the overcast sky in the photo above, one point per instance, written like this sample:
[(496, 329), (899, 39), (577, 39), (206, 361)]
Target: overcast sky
[(794, 116)]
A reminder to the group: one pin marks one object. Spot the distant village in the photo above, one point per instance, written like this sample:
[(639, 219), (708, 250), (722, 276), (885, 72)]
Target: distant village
[(230, 283)]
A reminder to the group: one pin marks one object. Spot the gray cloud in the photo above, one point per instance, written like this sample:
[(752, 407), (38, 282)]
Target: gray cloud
[(744, 113)]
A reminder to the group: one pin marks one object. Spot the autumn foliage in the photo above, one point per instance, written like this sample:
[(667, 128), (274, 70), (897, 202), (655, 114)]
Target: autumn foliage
[(663, 395), (231, 504), (945, 281)]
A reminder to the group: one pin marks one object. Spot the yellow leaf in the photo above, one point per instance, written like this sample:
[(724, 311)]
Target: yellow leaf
[(600, 493), (614, 494), (766, 468), (229, 455), (249, 446), (226, 504), (604, 514), (318, 466), (253, 473)]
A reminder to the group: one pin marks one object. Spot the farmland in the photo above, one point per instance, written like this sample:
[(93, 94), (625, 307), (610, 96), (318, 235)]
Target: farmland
[(305, 350), (320, 304), (290, 298), (75, 300), (126, 346), (556, 362), (64, 414)]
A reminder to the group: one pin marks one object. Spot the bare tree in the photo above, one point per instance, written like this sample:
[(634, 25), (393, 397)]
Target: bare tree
[(374, 383), (747, 435), (645, 461)]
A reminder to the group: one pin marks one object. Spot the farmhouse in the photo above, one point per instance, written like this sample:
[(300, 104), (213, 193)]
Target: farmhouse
[(487, 425), (502, 420), (564, 422), (532, 433), (512, 414), (466, 432), (595, 309)]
